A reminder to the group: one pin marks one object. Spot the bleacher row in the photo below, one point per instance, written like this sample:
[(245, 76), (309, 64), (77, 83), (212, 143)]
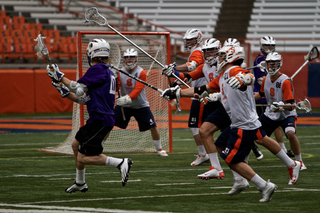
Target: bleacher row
[(17, 38)]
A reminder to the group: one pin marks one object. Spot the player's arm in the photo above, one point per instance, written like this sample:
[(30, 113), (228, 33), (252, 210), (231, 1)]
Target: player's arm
[(240, 78), (57, 76), (196, 92), (259, 95), (65, 93), (287, 91), (195, 59)]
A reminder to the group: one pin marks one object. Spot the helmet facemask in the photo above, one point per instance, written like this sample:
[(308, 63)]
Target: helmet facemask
[(130, 59), (211, 56), (267, 45), (210, 49), (274, 63), (191, 39)]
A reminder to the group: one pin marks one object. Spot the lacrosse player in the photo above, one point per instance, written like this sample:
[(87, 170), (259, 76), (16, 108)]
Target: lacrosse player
[(208, 70), (98, 85), (277, 88), (133, 100), (233, 42), (237, 99), (192, 40), (267, 45)]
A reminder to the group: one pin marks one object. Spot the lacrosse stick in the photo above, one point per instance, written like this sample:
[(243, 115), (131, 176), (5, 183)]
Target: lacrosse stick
[(116, 58), (313, 54), (262, 65), (42, 50), (92, 15), (152, 62), (303, 105)]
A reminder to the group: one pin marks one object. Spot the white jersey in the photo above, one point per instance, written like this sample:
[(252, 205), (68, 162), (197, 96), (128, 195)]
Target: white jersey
[(200, 81), (209, 72), (240, 105), (127, 86), (273, 93)]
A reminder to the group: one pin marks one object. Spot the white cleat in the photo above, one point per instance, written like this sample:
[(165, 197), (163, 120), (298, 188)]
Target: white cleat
[(303, 167), (268, 191), (124, 168), (200, 160), (239, 186), (77, 187), (162, 153), (294, 172), (212, 173)]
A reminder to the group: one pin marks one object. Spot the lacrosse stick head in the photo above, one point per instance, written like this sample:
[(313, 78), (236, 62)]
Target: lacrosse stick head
[(92, 15), (313, 54), (305, 105), (41, 48), (115, 57)]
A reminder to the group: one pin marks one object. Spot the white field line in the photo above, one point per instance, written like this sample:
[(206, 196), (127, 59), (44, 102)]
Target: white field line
[(163, 196), (118, 181), (28, 144), (63, 209), (173, 184), (145, 171)]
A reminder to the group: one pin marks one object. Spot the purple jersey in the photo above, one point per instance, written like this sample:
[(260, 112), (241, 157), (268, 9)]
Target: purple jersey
[(100, 96), (257, 74)]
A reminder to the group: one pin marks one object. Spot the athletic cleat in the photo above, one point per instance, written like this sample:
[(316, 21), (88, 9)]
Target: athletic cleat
[(290, 153), (257, 152), (77, 187), (239, 186), (124, 168), (294, 172), (302, 167), (200, 160), (212, 173), (268, 191), (162, 153)]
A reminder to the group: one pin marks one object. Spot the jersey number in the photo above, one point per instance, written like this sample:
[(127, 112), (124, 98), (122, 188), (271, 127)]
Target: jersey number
[(271, 91), (211, 77), (129, 82), (112, 85)]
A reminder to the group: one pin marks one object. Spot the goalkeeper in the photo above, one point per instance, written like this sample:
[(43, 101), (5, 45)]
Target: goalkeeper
[(98, 83), (134, 102)]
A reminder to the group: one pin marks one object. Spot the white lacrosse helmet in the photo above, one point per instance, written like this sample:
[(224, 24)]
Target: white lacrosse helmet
[(274, 62), (267, 41), (98, 48), (192, 38), (229, 55), (210, 48), (130, 53), (231, 42)]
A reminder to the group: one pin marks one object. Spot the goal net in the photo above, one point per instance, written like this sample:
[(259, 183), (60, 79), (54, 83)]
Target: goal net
[(130, 139)]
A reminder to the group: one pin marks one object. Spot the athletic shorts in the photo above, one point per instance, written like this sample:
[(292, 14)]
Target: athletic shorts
[(220, 118), (237, 143), (270, 125), (199, 112), (91, 136), (143, 116)]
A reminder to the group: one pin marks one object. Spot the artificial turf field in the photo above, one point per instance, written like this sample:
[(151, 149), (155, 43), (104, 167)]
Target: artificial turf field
[(35, 181)]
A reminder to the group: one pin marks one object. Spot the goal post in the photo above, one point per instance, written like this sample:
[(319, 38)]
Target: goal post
[(156, 44)]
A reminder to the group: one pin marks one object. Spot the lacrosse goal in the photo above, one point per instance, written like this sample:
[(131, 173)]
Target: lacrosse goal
[(130, 139)]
